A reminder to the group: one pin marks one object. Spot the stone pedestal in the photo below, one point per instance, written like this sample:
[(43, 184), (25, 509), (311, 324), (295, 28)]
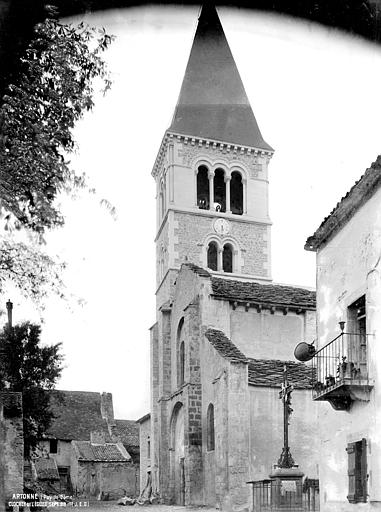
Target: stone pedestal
[(286, 489)]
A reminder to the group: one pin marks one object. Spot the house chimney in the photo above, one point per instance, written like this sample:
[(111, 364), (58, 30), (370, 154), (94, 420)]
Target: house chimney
[(9, 309), (107, 409)]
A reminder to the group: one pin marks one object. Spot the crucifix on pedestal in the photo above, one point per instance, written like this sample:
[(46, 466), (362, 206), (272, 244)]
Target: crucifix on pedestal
[(286, 477), (285, 459)]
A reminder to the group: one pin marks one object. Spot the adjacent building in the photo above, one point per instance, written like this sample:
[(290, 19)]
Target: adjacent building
[(348, 360), (94, 454), (224, 331)]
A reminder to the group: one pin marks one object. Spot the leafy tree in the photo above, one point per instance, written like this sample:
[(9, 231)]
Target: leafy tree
[(33, 370), (55, 88)]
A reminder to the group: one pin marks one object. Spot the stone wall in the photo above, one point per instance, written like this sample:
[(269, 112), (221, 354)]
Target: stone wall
[(113, 479), (155, 378), (13, 442), (192, 229), (267, 335), (107, 409), (63, 455), (145, 443), (266, 431)]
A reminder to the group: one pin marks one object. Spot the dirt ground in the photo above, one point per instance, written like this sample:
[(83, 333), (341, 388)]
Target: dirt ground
[(111, 506)]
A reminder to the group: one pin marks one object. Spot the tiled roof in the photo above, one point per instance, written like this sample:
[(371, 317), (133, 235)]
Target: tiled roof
[(144, 418), (78, 413), (196, 269), (127, 431), (269, 372), (271, 294), (224, 346), (361, 191), (46, 469), (109, 452)]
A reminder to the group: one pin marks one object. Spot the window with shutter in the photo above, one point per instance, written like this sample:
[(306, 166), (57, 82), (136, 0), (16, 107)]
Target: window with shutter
[(357, 471)]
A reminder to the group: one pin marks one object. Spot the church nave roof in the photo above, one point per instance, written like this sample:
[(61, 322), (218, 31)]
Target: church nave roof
[(269, 372), (271, 294)]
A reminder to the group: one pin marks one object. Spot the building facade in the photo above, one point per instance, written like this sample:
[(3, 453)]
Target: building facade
[(223, 330), (348, 362), (95, 455)]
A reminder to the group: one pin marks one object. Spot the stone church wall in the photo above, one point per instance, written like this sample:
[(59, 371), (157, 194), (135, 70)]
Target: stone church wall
[(266, 431), (251, 237), (145, 444), (267, 335), (224, 385), (214, 385)]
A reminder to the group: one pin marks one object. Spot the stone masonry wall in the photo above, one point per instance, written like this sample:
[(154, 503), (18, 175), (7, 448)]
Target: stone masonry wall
[(145, 443), (194, 467), (214, 374), (13, 442), (266, 431), (267, 335), (154, 376), (238, 438), (191, 230)]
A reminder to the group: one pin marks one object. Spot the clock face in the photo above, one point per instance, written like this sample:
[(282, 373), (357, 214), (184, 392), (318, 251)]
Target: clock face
[(221, 226)]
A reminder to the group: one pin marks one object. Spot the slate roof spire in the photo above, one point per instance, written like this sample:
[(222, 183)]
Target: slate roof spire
[(213, 103)]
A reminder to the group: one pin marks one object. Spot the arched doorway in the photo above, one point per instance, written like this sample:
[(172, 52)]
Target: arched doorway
[(177, 454)]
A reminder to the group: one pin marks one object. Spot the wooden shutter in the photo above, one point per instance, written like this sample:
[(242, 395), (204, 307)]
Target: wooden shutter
[(364, 470), (351, 450), (357, 471)]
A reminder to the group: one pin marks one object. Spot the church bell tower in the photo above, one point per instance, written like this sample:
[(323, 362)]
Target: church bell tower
[(211, 171)]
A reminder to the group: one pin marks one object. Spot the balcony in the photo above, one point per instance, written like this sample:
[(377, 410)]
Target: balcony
[(340, 371)]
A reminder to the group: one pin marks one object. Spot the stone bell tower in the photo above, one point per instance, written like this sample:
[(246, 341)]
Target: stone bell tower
[(211, 171)]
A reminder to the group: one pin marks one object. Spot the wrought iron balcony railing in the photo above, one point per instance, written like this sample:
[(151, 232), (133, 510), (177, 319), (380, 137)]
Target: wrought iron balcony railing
[(340, 371)]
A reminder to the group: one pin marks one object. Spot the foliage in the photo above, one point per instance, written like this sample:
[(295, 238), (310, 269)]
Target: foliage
[(33, 370), (59, 71), (37, 117), (35, 273)]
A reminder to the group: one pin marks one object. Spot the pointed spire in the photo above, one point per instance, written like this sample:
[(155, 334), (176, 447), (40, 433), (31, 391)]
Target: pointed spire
[(213, 103)]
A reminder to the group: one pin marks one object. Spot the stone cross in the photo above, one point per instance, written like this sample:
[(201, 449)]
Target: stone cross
[(285, 459)]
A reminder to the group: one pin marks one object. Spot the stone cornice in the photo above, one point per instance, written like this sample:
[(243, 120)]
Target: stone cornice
[(208, 143)]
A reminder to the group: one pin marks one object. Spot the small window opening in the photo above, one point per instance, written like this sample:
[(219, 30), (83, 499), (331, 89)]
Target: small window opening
[(203, 188), (236, 193), (210, 428), (181, 364), (219, 191), (180, 354), (148, 448), (162, 201), (53, 445), (212, 256), (227, 258)]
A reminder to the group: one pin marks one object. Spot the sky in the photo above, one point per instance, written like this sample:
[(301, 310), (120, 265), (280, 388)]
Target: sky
[(315, 94)]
